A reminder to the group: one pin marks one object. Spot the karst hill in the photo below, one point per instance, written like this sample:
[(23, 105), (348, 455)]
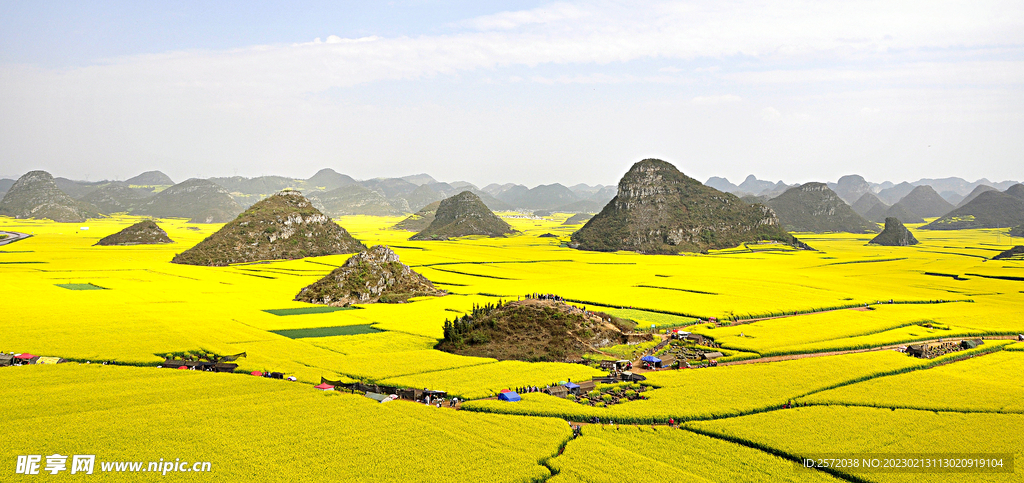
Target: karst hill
[(533, 330), (145, 232), (376, 275), (659, 210), (282, 226), (463, 215)]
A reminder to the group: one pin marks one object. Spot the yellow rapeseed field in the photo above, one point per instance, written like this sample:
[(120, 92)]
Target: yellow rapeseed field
[(817, 430), (624, 454), (145, 307), (258, 429), (985, 383)]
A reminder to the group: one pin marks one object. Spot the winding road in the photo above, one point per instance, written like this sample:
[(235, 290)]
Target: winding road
[(12, 236)]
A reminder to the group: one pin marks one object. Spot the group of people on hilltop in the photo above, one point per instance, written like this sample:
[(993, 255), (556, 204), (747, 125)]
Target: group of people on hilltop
[(545, 296)]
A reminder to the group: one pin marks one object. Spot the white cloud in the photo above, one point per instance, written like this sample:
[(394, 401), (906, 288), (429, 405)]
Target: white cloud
[(712, 100), (770, 114), (306, 100)]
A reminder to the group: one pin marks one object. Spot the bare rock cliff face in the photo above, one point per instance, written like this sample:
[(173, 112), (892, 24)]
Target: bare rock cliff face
[(660, 210), (36, 195), (376, 275), (895, 234)]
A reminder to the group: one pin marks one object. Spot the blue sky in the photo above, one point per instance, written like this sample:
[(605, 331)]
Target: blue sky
[(524, 92)]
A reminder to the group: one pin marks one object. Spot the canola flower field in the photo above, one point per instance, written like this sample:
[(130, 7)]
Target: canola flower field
[(770, 302)]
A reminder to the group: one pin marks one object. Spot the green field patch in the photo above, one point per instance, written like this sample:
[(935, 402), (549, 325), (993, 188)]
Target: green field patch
[(80, 286), (328, 331), (322, 309)]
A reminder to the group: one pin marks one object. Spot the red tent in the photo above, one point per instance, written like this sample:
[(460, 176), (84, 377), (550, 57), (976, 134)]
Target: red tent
[(24, 356), (325, 387), (506, 390), (257, 373), (182, 367)]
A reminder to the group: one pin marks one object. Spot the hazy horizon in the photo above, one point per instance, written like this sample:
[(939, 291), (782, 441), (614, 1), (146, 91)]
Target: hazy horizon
[(512, 92)]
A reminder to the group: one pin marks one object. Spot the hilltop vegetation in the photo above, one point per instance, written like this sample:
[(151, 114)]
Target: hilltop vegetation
[(463, 215), (531, 330), (283, 226), (356, 200), (199, 200), (36, 195), (990, 209), (578, 219), (376, 275), (659, 210), (815, 208), (924, 202), (420, 220), (115, 198), (145, 232)]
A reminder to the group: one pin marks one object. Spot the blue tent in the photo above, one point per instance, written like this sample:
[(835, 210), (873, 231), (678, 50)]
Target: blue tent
[(509, 396), (651, 359), (570, 385)]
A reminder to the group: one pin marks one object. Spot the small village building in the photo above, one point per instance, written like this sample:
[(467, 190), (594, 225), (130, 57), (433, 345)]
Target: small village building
[(707, 356), (224, 367), (572, 388), (6, 360), (696, 338), (587, 386), (971, 343), (917, 350), (557, 391)]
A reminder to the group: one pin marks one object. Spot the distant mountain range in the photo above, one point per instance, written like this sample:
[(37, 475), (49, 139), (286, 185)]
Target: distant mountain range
[(337, 194)]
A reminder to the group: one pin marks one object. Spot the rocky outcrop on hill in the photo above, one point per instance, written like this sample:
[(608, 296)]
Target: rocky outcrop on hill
[(463, 215), (894, 235), (533, 330), (659, 210), (145, 232), (990, 209), (376, 275), (35, 195), (815, 208), (200, 200), (282, 226), (420, 220)]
